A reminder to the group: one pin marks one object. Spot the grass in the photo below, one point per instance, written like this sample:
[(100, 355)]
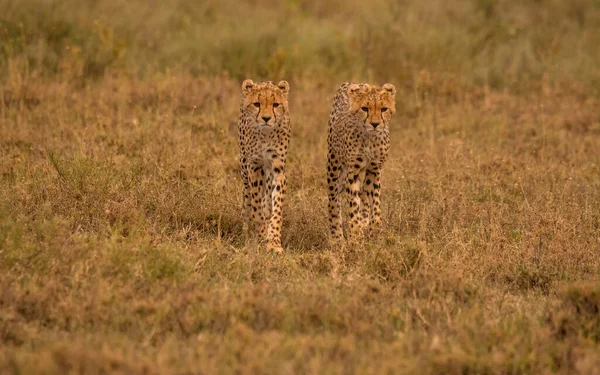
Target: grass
[(121, 241)]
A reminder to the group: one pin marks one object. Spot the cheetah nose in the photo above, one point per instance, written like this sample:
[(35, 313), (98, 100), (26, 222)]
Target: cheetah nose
[(266, 118), (374, 124)]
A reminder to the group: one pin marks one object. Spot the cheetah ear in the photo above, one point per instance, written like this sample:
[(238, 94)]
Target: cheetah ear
[(389, 88), (284, 86), (353, 88), (247, 85)]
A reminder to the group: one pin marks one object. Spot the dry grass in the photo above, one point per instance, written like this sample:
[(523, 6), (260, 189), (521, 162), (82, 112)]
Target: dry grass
[(121, 243)]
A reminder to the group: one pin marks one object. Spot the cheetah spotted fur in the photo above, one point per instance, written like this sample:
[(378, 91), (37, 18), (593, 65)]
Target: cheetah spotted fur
[(264, 134), (358, 146)]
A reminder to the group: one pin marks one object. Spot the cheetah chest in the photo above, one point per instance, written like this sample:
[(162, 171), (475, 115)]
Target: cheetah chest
[(374, 148), (268, 145)]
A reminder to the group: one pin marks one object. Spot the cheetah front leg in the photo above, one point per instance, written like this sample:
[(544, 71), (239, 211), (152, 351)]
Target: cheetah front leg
[(366, 200), (267, 205), (376, 197), (335, 184), (277, 196), (246, 202), (256, 176), (354, 181)]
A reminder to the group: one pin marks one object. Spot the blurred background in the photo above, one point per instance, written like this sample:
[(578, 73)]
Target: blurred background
[(512, 44)]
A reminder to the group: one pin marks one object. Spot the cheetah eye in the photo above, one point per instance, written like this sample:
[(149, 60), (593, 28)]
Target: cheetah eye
[(383, 109), (275, 105), (366, 109), (257, 104)]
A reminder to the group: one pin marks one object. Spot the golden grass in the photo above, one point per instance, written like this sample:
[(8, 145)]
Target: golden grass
[(121, 242)]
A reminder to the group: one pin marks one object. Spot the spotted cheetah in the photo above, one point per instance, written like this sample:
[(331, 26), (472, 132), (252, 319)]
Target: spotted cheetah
[(358, 146), (264, 134)]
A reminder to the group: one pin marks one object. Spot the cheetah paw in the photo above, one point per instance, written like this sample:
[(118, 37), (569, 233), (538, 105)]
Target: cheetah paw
[(276, 249), (335, 241)]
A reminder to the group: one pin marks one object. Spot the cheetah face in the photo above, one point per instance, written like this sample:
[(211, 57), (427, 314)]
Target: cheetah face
[(373, 106), (266, 102)]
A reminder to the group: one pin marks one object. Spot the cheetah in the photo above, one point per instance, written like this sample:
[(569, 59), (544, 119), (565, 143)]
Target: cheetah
[(358, 145), (264, 129)]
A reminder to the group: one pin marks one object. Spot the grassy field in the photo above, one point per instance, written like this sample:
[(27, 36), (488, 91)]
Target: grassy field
[(121, 242)]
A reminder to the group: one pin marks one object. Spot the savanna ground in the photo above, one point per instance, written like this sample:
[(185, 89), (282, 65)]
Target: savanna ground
[(121, 242)]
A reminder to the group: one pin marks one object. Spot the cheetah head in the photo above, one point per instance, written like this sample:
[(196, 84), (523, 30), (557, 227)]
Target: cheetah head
[(266, 102), (373, 106)]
